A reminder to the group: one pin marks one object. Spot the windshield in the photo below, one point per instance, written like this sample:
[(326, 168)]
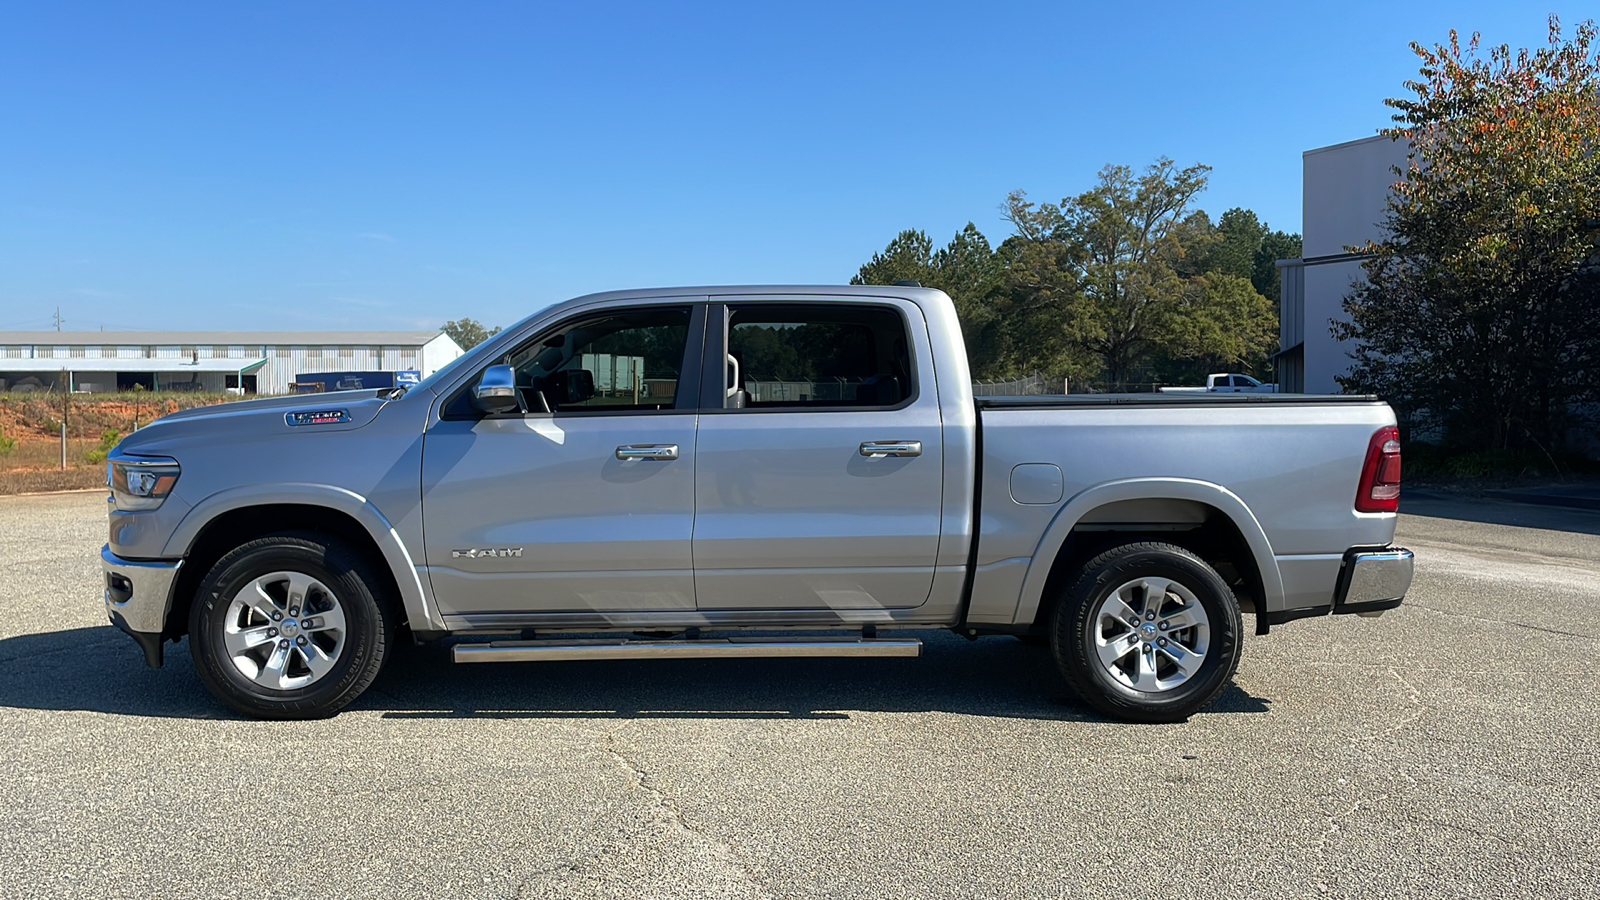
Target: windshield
[(443, 374)]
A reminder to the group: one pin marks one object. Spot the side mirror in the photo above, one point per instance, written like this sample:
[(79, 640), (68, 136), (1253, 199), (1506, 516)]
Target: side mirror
[(572, 386), (497, 390)]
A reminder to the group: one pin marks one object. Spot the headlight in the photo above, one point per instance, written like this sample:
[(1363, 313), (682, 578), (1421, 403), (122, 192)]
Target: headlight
[(141, 482)]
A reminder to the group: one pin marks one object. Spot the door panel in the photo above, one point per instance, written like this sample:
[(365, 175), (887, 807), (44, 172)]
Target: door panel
[(790, 513), (591, 531), (586, 502)]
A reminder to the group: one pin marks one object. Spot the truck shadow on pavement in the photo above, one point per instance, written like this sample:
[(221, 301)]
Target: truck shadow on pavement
[(100, 670), (1490, 511)]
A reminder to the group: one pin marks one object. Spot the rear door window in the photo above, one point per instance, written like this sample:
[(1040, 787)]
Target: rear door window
[(817, 356)]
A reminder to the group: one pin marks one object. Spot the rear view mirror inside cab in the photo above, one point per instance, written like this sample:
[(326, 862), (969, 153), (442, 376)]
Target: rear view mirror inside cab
[(570, 386)]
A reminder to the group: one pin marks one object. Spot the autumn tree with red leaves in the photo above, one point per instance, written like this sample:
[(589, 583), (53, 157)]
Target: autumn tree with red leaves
[(1481, 312)]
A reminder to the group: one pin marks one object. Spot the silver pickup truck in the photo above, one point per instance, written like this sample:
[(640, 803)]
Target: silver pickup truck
[(744, 471)]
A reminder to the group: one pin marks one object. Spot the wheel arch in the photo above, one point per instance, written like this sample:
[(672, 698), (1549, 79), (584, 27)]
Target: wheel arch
[(228, 519), (1229, 528)]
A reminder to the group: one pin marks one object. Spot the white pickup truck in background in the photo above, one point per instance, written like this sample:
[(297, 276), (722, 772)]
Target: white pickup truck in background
[(1226, 383)]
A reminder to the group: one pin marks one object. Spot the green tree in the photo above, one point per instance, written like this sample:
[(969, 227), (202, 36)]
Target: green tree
[(1223, 324), (1275, 245), (967, 269), (468, 333), (1041, 305), (1104, 285), (909, 257), (108, 442), (1478, 313), (1124, 236), (1241, 244), (1229, 247)]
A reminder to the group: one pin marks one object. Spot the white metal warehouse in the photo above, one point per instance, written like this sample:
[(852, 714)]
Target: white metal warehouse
[(1346, 194), (264, 362)]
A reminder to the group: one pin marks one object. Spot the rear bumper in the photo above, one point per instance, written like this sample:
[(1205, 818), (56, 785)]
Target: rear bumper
[(1373, 581), (138, 594)]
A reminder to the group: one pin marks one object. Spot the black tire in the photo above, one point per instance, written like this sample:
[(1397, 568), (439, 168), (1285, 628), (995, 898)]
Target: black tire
[(369, 619), (1073, 633)]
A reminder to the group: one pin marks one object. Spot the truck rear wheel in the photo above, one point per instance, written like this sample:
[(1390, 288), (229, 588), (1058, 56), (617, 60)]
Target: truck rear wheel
[(288, 627), (1148, 633)]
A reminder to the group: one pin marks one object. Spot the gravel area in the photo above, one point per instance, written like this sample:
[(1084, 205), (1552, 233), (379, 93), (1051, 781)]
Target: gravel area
[(1446, 749)]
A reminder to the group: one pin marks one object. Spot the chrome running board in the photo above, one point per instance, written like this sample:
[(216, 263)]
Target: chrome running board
[(558, 650)]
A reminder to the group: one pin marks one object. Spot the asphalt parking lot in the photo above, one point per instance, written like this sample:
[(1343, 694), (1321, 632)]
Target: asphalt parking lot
[(1449, 749)]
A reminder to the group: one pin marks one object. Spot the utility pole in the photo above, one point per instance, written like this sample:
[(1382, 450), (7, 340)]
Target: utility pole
[(66, 410), (58, 318)]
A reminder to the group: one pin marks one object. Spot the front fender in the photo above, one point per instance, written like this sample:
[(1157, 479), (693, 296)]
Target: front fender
[(1089, 499), (419, 606)]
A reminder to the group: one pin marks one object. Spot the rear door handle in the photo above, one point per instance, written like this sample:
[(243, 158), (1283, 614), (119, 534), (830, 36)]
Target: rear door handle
[(880, 449), (648, 451)]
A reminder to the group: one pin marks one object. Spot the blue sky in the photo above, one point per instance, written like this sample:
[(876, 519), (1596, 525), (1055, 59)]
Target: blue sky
[(391, 165)]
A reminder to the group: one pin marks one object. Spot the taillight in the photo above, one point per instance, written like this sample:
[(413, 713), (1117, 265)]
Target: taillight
[(1380, 477)]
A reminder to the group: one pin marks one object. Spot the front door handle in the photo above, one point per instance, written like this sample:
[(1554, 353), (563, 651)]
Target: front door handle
[(648, 451), (880, 449)]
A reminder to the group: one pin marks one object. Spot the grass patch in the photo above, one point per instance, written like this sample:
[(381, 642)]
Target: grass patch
[(24, 416), (30, 424), (46, 454), (31, 481)]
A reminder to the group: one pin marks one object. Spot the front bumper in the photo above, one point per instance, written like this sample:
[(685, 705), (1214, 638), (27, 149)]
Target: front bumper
[(1373, 581), (138, 595)]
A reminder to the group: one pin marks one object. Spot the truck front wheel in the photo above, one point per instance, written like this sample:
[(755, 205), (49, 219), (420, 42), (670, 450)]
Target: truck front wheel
[(1148, 633), (288, 627)]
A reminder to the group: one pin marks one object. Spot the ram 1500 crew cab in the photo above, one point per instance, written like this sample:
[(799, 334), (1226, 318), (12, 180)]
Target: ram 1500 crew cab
[(716, 466)]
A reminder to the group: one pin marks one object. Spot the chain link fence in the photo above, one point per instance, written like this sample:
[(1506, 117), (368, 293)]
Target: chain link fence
[(1028, 386), (1037, 383)]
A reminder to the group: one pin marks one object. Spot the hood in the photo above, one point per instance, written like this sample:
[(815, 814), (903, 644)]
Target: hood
[(345, 400), (254, 419)]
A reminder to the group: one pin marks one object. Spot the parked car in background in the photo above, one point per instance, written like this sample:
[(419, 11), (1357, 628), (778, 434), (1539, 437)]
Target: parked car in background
[(1226, 383)]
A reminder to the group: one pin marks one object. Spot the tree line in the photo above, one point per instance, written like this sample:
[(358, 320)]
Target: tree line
[(1125, 283), (1128, 282)]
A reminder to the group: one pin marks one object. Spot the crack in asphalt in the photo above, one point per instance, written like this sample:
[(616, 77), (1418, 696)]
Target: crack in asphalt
[(570, 867), (1333, 826), (664, 810), (1422, 709), (1494, 621), (1497, 673), (668, 807), (1457, 826), (642, 780), (1334, 829)]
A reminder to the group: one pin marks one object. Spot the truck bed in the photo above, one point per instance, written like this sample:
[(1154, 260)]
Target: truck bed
[(1071, 401), (1287, 465)]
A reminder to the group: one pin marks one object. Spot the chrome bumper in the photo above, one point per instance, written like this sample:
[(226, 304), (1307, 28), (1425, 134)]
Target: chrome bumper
[(138, 595), (1373, 581)]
